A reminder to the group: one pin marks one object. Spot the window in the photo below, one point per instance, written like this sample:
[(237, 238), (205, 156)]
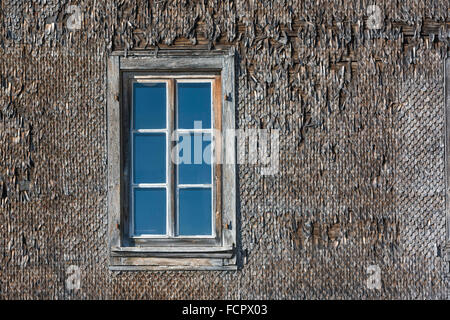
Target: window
[(171, 200), (171, 188)]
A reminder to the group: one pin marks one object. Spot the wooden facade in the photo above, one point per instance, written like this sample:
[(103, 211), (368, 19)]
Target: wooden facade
[(358, 93)]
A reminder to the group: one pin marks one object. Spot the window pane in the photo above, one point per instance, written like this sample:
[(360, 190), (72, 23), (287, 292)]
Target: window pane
[(149, 152), (149, 211), (149, 101), (195, 211), (195, 158), (194, 104)]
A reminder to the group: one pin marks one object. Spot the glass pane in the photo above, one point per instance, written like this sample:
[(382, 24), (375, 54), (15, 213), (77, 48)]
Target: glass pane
[(149, 101), (194, 158), (195, 211), (194, 104), (149, 155), (149, 211)]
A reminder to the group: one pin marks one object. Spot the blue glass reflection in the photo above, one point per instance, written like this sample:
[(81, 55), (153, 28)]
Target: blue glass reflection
[(149, 211), (149, 106), (194, 104), (195, 214), (149, 158), (195, 158)]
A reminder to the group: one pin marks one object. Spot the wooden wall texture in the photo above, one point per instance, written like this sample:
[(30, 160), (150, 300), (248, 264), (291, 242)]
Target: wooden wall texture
[(361, 114)]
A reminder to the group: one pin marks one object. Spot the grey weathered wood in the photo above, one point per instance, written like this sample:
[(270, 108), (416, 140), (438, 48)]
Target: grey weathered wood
[(172, 268), (173, 249), (158, 264), (446, 254), (172, 74), (229, 169), (182, 242), (167, 261), (113, 145), (125, 150), (172, 53), (170, 63)]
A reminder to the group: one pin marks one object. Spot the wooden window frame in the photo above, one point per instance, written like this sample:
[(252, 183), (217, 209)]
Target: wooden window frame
[(217, 252), (171, 80)]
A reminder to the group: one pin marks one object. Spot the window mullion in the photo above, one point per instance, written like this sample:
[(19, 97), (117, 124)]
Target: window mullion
[(170, 164)]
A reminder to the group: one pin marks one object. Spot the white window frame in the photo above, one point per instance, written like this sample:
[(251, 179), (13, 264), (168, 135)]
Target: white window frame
[(168, 131), (167, 186)]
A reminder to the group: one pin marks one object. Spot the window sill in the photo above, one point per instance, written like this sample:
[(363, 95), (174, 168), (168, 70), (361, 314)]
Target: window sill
[(172, 258), (183, 252), (173, 268)]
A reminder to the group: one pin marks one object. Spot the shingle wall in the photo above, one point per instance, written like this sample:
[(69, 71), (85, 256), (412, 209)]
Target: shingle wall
[(361, 120)]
